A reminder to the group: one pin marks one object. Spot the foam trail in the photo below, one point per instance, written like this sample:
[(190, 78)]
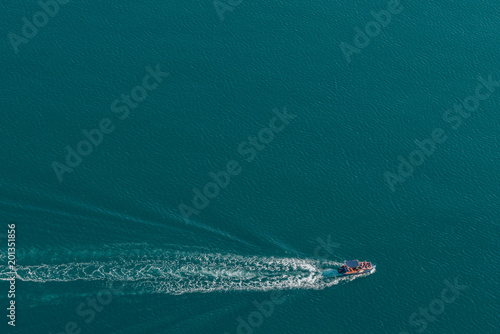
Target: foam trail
[(187, 272)]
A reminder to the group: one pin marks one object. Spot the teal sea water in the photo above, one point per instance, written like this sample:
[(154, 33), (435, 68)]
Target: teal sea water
[(108, 250)]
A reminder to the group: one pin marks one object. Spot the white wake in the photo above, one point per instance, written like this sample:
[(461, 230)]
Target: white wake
[(178, 272)]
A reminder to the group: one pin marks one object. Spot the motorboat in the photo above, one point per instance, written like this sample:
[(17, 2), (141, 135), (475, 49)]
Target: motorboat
[(349, 268)]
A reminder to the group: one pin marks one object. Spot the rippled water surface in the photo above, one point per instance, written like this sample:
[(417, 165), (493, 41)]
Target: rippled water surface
[(309, 196)]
